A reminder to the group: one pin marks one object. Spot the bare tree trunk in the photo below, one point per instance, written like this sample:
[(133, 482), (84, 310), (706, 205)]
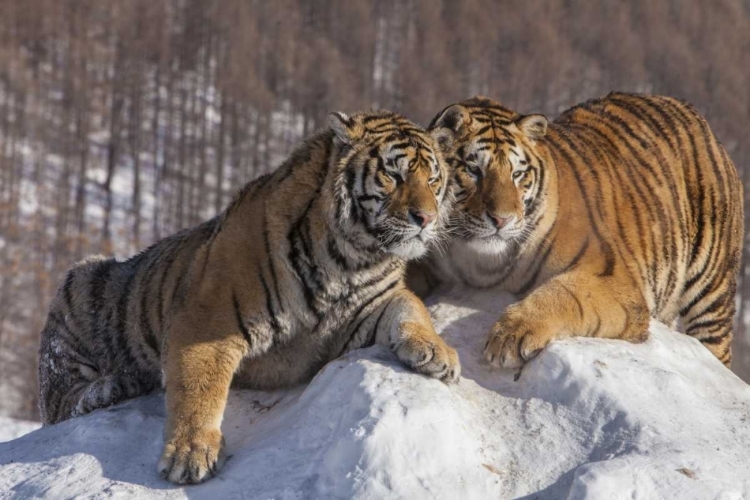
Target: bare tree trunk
[(135, 153), (219, 193), (113, 146)]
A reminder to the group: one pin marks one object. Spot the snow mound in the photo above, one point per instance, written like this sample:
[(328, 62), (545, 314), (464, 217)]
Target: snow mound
[(587, 418)]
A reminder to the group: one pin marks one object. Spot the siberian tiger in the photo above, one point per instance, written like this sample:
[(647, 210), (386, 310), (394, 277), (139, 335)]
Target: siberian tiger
[(305, 264), (624, 207)]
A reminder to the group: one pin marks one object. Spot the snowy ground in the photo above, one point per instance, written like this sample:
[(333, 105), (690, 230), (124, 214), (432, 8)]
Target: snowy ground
[(586, 419), (11, 428)]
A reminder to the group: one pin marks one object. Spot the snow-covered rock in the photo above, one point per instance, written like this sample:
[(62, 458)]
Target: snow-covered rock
[(587, 418)]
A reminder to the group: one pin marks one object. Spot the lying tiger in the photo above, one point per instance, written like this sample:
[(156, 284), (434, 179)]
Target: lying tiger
[(623, 208), (305, 264)]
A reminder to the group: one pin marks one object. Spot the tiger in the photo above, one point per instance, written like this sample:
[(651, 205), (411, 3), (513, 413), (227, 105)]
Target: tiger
[(624, 208), (305, 264)]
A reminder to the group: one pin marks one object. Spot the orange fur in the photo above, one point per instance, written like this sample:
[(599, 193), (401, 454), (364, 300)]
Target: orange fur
[(625, 207)]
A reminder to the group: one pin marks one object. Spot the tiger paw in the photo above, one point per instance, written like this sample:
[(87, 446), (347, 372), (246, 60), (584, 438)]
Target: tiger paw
[(193, 459), (429, 355), (514, 340)]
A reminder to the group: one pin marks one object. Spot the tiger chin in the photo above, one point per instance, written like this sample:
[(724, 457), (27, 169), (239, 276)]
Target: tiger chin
[(305, 264), (624, 208)]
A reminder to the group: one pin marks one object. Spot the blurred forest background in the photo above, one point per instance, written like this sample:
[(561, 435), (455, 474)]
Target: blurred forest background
[(122, 121)]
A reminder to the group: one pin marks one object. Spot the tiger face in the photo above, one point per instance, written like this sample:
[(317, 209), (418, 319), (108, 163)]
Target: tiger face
[(497, 172), (392, 182)]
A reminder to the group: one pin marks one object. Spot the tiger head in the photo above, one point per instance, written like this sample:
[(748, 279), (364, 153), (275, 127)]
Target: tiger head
[(390, 187), (497, 171)]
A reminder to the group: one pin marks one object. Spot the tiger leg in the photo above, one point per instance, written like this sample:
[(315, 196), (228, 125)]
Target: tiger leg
[(709, 317), (405, 326), (71, 385), (572, 304), (61, 380), (198, 371)]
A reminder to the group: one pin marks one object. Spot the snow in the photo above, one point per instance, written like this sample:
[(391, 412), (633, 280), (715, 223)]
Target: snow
[(11, 428), (588, 418)]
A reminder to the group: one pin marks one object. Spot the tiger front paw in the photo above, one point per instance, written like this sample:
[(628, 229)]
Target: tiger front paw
[(515, 339), (429, 355), (193, 458)]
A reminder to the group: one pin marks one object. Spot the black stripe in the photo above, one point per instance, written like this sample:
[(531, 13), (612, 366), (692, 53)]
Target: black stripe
[(614, 172), (81, 351), (68, 297), (374, 332), (145, 316), (692, 281), (401, 145), (726, 358), (617, 173), (627, 319), (351, 178), (630, 172), (376, 296), (295, 257), (707, 324), (269, 302), (604, 245), (715, 339), (686, 309), (295, 260), (482, 131), (575, 298), (179, 288), (308, 249), (711, 307), (577, 258), (388, 117), (674, 131), (335, 253), (369, 197), (697, 208), (366, 172), (539, 266), (714, 248), (99, 277), (598, 326), (702, 215), (377, 322), (120, 335), (357, 327), (640, 114), (160, 303), (240, 323), (271, 265)]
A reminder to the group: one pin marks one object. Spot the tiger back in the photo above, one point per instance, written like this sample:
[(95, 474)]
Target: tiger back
[(624, 207)]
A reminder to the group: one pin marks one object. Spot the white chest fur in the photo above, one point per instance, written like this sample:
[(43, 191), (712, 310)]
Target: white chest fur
[(476, 264)]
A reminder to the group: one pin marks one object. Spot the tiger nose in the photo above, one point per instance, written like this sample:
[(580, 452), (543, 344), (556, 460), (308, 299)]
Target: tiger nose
[(498, 220), (422, 218)]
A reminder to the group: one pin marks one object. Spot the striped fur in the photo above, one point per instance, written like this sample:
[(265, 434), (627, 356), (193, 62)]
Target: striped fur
[(625, 207), (305, 264)]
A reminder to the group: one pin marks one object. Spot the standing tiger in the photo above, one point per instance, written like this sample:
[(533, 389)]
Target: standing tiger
[(305, 264), (624, 207)]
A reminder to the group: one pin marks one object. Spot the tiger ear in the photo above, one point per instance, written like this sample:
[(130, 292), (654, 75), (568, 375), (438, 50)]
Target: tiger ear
[(347, 129), (448, 125), (534, 126)]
